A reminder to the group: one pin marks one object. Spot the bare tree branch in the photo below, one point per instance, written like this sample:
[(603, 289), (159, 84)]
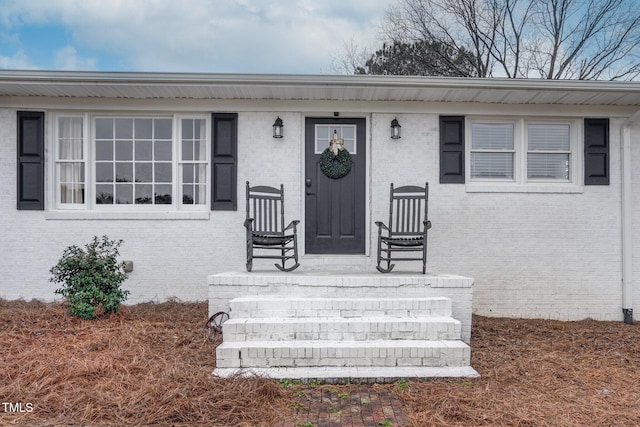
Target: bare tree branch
[(552, 39)]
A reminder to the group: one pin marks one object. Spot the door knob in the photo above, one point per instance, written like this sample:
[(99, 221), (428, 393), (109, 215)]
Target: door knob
[(307, 183)]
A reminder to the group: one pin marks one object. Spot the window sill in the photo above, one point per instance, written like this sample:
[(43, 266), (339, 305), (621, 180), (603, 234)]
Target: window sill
[(485, 187), (102, 215)]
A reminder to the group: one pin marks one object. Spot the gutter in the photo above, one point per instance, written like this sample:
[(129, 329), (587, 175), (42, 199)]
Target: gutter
[(594, 92), (627, 219)]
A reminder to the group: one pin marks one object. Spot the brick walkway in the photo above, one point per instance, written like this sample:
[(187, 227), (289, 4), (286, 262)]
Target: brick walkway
[(345, 406)]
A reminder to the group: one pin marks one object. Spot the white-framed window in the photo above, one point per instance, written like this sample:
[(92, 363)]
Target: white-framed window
[(131, 162), (70, 162), (493, 150), (549, 151), (523, 151)]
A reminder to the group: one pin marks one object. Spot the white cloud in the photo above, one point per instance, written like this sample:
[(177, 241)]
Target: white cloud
[(67, 58), (17, 61), (297, 36)]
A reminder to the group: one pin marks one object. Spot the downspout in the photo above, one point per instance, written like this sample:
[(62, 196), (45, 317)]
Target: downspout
[(627, 219)]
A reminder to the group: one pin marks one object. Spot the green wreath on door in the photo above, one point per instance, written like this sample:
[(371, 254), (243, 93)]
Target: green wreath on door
[(335, 166)]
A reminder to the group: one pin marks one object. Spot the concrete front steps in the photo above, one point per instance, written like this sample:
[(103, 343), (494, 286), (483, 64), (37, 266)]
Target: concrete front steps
[(330, 339)]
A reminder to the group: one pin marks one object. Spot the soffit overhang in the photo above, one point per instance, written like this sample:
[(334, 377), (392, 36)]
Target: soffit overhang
[(288, 87)]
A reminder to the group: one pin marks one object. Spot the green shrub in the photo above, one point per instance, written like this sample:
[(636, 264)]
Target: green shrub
[(91, 278)]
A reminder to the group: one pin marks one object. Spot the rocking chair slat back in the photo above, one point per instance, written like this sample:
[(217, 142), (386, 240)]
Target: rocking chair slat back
[(264, 204), (408, 209)]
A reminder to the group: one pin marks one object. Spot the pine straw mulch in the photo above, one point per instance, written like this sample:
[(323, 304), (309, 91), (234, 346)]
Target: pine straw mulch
[(151, 364)]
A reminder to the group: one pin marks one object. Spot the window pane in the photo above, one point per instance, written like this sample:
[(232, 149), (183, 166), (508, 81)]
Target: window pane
[(349, 132), (144, 193), (104, 150), (548, 165), (72, 172), (163, 194), (162, 151), (187, 195), (162, 172), (143, 128), (199, 129), (124, 172), (104, 194), (322, 132), (162, 129), (104, 172), (124, 150), (187, 150), (124, 194), (549, 137), (70, 149), (199, 150), (144, 172), (144, 150), (104, 128), (492, 165), (188, 173), (70, 127), (187, 129), (201, 194), (492, 136), (200, 174), (124, 128)]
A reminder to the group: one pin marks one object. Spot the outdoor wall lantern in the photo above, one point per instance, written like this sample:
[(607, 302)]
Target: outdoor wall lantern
[(277, 128), (395, 129)]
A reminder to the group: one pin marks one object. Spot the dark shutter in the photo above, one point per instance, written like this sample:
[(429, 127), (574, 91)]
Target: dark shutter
[(452, 149), (30, 160), (225, 162), (596, 151)]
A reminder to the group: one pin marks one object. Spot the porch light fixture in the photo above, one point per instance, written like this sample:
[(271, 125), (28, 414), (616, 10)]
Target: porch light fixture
[(277, 128), (395, 129)]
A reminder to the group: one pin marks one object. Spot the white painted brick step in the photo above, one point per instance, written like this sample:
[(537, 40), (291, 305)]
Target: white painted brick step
[(339, 328), (279, 306), (352, 373), (381, 353)]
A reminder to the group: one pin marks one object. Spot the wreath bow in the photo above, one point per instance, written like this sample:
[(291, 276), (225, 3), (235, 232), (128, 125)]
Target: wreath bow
[(336, 144)]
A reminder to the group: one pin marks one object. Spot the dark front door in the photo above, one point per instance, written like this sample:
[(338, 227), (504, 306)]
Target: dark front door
[(335, 208)]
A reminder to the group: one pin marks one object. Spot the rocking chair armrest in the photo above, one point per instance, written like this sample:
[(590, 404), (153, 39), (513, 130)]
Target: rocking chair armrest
[(292, 224), (381, 226), (427, 224), (248, 223)]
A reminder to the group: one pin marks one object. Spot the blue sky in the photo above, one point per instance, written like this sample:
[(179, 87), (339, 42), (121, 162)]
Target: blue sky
[(217, 36)]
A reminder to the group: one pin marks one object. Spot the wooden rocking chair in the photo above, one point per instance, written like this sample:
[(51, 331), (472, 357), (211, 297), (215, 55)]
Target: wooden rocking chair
[(407, 230), (265, 228)]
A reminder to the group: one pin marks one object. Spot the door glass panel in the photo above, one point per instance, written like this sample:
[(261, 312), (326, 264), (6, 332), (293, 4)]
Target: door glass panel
[(324, 134)]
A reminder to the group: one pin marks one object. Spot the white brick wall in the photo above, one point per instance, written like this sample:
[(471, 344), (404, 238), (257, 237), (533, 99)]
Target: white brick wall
[(172, 258), (531, 254)]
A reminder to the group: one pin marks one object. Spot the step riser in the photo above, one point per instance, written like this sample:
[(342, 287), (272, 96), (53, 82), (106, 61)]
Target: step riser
[(350, 375), (278, 332), (339, 330), (338, 357), (347, 307)]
